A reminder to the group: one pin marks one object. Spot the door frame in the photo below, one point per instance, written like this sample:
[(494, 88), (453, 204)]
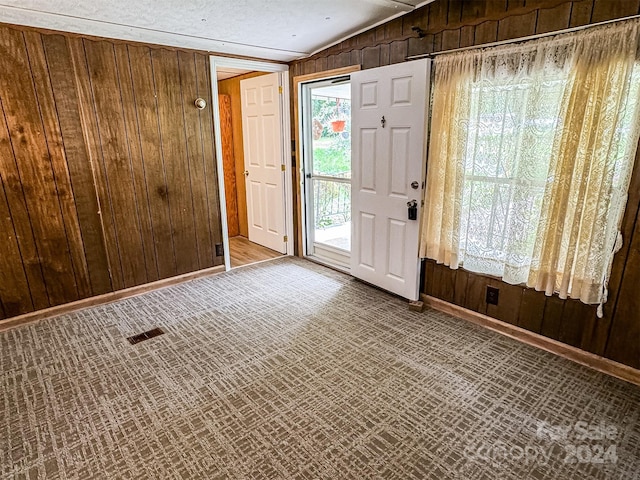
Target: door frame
[(298, 82), (334, 256), (285, 130)]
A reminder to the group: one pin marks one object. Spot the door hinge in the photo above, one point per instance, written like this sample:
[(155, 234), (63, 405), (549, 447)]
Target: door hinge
[(280, 89), (285, 239), (283, 167)]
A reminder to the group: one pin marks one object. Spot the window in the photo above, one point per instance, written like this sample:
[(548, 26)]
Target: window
[(531, 154)]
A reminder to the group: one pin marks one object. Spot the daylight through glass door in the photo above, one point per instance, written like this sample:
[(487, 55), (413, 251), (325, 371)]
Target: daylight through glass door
[(327, 125)]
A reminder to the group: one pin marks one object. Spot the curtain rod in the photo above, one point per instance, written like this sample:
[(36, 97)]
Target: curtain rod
[(520, 40)]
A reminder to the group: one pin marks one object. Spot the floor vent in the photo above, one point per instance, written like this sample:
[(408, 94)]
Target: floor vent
[(141, 337)]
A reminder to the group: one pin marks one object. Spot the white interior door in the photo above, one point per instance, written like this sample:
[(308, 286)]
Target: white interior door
[(389, 123), (263, 155)]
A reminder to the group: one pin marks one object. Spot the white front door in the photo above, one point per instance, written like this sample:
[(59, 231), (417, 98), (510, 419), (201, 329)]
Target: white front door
[(389, 124), (263, 158)]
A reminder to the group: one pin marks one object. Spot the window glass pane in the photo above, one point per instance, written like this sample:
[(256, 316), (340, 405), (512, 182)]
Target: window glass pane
[(331, 130), (332, 213), (510, 139)]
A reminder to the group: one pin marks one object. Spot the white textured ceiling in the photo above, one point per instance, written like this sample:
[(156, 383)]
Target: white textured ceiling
[(281, 30)]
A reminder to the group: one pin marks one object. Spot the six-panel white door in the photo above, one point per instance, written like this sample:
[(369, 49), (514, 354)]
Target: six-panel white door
[(389, 118), (263, 149)]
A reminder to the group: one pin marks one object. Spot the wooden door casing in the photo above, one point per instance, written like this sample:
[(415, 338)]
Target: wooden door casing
[(229, 165)]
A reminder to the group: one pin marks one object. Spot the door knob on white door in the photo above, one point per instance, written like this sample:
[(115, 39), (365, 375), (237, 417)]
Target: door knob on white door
[(246, 173)]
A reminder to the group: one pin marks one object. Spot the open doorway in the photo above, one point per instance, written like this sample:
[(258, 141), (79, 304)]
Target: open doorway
[(252, 129), (326, 126)]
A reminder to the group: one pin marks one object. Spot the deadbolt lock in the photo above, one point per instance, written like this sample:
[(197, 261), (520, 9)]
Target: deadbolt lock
[(412, 210)]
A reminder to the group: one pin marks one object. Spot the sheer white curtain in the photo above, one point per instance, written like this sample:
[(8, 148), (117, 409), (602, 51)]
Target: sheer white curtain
[(530, 158)]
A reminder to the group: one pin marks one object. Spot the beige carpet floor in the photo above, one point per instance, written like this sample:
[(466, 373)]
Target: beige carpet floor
[(289, 370)]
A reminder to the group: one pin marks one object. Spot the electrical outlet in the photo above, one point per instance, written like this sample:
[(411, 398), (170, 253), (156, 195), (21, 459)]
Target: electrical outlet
[(219, 250), (492, 295)]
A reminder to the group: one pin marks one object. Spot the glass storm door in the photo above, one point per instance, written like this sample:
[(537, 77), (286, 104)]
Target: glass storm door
[(326, 114)]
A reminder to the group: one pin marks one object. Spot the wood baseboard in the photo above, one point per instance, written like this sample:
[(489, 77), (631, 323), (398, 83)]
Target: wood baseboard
[(38, 315), (601, 364)]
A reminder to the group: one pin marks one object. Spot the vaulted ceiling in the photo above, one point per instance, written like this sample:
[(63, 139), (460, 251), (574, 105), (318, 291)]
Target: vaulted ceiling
[(282, 30)]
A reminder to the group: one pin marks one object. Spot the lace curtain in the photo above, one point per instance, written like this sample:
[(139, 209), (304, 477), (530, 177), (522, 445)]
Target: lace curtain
[(530, 158)]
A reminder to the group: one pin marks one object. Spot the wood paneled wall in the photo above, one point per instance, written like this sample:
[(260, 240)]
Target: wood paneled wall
[(451, 24), (107, 168)]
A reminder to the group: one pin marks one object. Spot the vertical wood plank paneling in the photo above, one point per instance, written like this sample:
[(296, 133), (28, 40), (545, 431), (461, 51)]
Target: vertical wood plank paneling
[(517, 26), (321, 64), (623, 343), (551, 19), (393, 29), (427, 274), (460, 293), (115, 176), (173, 141), (418, 46), (575, 316), (203, 75), (153, 159), (486, 32), (36, 294), (384, 54), (532, 310), (193, 134), (472, 10), (355, 58), (342, 60), (607, 10), (450, 39), (444, 282), (14, 287), (85, 207), (510, 299), (437, 42), (581, 13), (138, 175), (454, 14), (371, 57), (552, 317), (91, 136), (475, 298), (467, 35), (69, 111), (412, 19), (92, 141), (57, 157), (397, 52), (177, 192), (331, 63), (438, 15), (35, 172), (229, 161)]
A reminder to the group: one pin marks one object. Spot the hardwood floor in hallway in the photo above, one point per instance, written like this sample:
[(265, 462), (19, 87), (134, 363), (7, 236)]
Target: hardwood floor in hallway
[(244, 252)]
